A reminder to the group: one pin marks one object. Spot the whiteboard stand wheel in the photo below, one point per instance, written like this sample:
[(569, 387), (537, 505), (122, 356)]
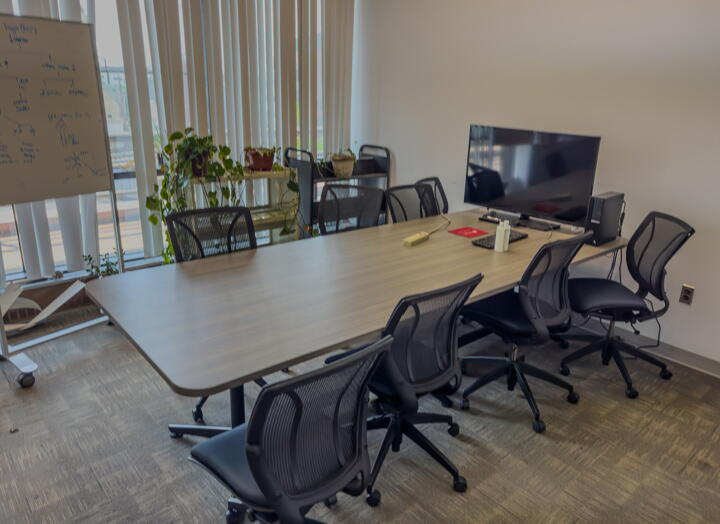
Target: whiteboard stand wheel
[(26, 380)]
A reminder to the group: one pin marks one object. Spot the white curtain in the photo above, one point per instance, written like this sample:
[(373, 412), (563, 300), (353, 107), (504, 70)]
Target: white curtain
[(77, 216), (338, 20), (247, 71), (252, 69), (133, 52)]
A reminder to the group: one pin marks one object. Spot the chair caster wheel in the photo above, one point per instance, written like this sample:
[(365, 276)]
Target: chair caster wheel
[(665, 374), (373, 499), (233, 516), (197, 415), (173, 434), (464, 404), (631, 393), (573, 398), (564, 370), (331, 501), (538, 426), (26, 380), (454, 429), (460, 485)]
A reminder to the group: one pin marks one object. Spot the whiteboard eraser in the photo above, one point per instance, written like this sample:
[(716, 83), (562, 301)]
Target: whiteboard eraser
[(417, 238)]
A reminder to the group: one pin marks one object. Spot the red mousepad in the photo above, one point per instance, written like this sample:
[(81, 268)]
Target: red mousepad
[(468, 232)]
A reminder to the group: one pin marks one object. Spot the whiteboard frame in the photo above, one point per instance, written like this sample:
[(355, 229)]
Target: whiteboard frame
[(7, 351)]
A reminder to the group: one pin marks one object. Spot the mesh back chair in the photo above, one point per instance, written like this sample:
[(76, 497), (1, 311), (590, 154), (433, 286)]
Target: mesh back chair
[(438, 191), (651, 247), (411, 202), (344, 207), (303, 162), (525, 318), (202, 233), (305, 441), (423, 358)]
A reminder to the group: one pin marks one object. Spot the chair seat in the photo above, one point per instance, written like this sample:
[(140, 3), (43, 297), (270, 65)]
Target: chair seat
[(225, 456), (588, 295), (502, 314)]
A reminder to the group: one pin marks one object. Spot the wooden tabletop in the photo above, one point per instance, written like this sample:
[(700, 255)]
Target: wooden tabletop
[(211, 324)]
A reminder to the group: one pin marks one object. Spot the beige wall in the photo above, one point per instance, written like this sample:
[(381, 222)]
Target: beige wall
[(643, 74)]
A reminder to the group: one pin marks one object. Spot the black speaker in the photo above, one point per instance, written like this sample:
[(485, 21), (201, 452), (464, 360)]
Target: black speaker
[(604, 217)]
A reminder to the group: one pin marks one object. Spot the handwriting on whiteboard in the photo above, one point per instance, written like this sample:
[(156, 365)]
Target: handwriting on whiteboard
[(44, 114)]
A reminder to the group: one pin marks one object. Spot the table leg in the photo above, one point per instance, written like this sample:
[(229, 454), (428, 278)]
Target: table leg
[(237, 406), (237, 418)]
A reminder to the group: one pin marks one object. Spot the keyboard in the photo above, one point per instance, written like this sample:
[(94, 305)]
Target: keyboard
[(488, 241)]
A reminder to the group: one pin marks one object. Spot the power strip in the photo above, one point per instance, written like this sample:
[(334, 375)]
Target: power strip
[(417, 238)]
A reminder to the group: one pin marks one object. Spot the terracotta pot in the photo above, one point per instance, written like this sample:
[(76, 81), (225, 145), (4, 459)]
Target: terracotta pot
[(258, 162)]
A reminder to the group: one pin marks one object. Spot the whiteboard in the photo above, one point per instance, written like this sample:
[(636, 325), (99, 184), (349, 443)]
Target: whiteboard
[(53, 135)]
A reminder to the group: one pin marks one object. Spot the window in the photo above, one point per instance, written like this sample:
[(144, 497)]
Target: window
[(112, 74)]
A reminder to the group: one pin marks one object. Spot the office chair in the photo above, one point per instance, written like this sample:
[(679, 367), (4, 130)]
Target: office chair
[(423, 358), (523, 318), (201, 233), (303, 162), (651, 247), (306, 440), (344, 207), (411, 202), (438, 191)]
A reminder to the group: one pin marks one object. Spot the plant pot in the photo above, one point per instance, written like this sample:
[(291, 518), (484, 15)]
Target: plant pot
[(199, 166), (259, 162), (343, 167)]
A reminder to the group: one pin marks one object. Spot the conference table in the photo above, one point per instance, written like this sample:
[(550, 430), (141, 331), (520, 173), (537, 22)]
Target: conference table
[(214, 324)]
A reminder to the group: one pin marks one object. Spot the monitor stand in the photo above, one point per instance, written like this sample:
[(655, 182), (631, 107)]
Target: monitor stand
[(540, 225), (495, 217)]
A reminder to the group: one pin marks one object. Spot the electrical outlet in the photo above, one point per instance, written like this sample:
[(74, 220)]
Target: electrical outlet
[(686, 294)]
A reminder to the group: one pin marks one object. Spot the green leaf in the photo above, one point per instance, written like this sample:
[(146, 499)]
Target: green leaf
[(177, 135), (153, 219), (168, 149), (152, 203)]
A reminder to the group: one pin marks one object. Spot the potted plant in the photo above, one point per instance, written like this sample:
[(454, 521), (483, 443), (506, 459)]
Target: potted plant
[(260, 158), (187, 156), (103, 267), (343, 163)]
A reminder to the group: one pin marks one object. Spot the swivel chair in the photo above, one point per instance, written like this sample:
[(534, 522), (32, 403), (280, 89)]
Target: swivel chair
[(410, 202), (438, 191), (306, 440), (422, 359), (524, 317), (344, 207), (651, 247)]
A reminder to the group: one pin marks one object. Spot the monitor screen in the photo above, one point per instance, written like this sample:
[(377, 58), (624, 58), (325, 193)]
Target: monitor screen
[(536, 174)]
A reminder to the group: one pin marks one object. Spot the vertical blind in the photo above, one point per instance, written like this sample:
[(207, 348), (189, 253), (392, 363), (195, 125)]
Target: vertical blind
[(256, 73)]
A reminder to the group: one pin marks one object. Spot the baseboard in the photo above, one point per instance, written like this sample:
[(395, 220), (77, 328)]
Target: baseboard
[(665, 351)]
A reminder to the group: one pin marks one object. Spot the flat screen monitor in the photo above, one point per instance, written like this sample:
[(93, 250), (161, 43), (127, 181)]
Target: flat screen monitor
[(536, 174)]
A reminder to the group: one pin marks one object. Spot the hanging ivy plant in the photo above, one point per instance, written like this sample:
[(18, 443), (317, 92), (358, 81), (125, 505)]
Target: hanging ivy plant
[(187, 156)]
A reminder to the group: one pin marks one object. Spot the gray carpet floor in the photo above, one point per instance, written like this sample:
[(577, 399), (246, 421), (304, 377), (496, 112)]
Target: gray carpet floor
[(91, 446)]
